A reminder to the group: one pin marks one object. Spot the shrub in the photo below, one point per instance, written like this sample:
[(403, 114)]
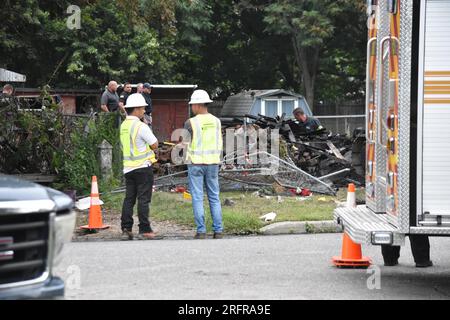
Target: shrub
[(76, 169), (48, 142)]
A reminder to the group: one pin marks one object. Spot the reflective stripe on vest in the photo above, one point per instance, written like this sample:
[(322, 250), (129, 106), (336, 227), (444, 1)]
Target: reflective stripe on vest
[(132, 157), (206, 146)]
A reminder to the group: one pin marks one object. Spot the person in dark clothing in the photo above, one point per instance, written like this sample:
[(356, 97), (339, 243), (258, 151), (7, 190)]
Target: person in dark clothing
[(125, 94), (420, 247), (110, 99), (308, 123), (110, 102), (138, 143), (147, 90)]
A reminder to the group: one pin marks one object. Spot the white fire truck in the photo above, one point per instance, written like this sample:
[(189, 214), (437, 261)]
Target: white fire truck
[(407, 124)]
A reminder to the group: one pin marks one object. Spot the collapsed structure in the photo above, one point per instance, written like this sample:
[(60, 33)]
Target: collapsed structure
[(319, 161)]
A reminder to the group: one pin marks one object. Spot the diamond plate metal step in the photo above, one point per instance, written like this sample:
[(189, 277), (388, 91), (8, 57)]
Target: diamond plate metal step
[(360, 222)]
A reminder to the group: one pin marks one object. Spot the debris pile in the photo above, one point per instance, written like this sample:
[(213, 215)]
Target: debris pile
[(319, 161)]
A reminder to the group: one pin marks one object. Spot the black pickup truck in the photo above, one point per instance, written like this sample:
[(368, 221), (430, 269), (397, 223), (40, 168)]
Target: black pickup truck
[(35, 222)]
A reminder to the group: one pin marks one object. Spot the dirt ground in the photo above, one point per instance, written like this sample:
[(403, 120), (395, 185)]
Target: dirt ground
[(112, 219)]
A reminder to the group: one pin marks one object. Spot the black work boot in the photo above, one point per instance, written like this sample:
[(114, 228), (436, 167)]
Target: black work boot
[(126, 235), (390, 263), (390, 255), (425, 264), (200, 236), (218, 235)]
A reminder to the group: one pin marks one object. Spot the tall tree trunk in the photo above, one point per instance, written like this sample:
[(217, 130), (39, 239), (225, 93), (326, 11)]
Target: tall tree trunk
[(309, 93), (307, 60)]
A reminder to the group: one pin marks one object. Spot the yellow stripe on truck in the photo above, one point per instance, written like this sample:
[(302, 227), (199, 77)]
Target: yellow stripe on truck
[(437, 73)]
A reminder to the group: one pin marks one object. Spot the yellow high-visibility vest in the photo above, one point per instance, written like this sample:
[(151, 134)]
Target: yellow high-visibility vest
[(132, 157), (206, 145)]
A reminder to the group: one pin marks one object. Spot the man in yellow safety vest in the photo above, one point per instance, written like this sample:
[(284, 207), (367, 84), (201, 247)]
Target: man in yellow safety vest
[(203, 158), (138, 143)]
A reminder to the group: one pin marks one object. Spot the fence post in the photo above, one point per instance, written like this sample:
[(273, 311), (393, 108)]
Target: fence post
[(105, 153), (347, 127)]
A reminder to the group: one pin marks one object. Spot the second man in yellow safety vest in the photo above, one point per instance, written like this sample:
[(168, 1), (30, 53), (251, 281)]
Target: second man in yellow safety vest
[(203, 158), (138, 143)]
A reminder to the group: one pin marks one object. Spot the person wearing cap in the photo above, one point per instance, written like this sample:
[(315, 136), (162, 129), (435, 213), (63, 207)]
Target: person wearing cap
[(203, 158), (147, 90), (138, 143), (309, 124)]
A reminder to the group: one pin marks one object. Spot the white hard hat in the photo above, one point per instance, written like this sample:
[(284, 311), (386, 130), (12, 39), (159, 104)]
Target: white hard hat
[(199, 97), (136, 100)]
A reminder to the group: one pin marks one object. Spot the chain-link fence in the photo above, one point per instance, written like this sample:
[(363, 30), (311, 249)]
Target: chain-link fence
[(345, 124)]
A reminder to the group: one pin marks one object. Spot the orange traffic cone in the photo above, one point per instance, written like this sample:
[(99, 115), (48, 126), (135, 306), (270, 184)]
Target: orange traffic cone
[(95, 211), (351, 255), (351, 252)]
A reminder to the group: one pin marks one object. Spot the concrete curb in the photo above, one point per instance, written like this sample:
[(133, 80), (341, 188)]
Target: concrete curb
[(300, 227)]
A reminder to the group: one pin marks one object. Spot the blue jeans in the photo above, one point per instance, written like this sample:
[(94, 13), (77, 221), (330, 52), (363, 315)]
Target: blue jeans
[(207, 175)]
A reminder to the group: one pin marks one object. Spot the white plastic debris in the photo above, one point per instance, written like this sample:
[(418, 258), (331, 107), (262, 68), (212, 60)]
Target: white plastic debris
[(268, 217), (85, 203), (280, 200), (340, 204)]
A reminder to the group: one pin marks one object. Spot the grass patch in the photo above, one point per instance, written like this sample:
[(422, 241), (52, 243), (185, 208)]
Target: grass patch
[(243, 217)]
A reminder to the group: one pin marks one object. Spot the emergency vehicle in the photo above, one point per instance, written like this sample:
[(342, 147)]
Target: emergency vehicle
[(407, 124)]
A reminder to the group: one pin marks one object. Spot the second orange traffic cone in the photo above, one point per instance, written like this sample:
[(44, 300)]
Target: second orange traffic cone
[(95, 211), (351, 252)]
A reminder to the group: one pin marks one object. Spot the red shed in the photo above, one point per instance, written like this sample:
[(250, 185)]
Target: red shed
[(170, 108)]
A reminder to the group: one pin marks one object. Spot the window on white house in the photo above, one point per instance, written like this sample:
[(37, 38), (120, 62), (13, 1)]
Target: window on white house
[(271, 108), (287, 107), (276, 107)]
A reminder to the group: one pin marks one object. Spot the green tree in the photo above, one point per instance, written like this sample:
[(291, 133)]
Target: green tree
[(223, 46), (341, 73), (226, 49), (117, 40), (310, 25)]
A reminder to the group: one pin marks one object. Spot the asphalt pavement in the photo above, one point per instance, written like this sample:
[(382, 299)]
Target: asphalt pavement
[(256, 267)]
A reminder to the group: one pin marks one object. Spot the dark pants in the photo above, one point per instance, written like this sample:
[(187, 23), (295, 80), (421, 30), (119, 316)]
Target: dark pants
[(139, 185), (420, 247)]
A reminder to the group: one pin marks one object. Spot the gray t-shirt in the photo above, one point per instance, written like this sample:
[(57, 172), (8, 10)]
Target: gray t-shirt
[(111, 100), (188, 126)]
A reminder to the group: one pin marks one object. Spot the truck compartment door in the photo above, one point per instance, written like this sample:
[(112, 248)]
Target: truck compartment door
[(434, 115)]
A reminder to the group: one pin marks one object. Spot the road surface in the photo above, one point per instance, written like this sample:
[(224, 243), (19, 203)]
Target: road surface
[(262, 267)]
